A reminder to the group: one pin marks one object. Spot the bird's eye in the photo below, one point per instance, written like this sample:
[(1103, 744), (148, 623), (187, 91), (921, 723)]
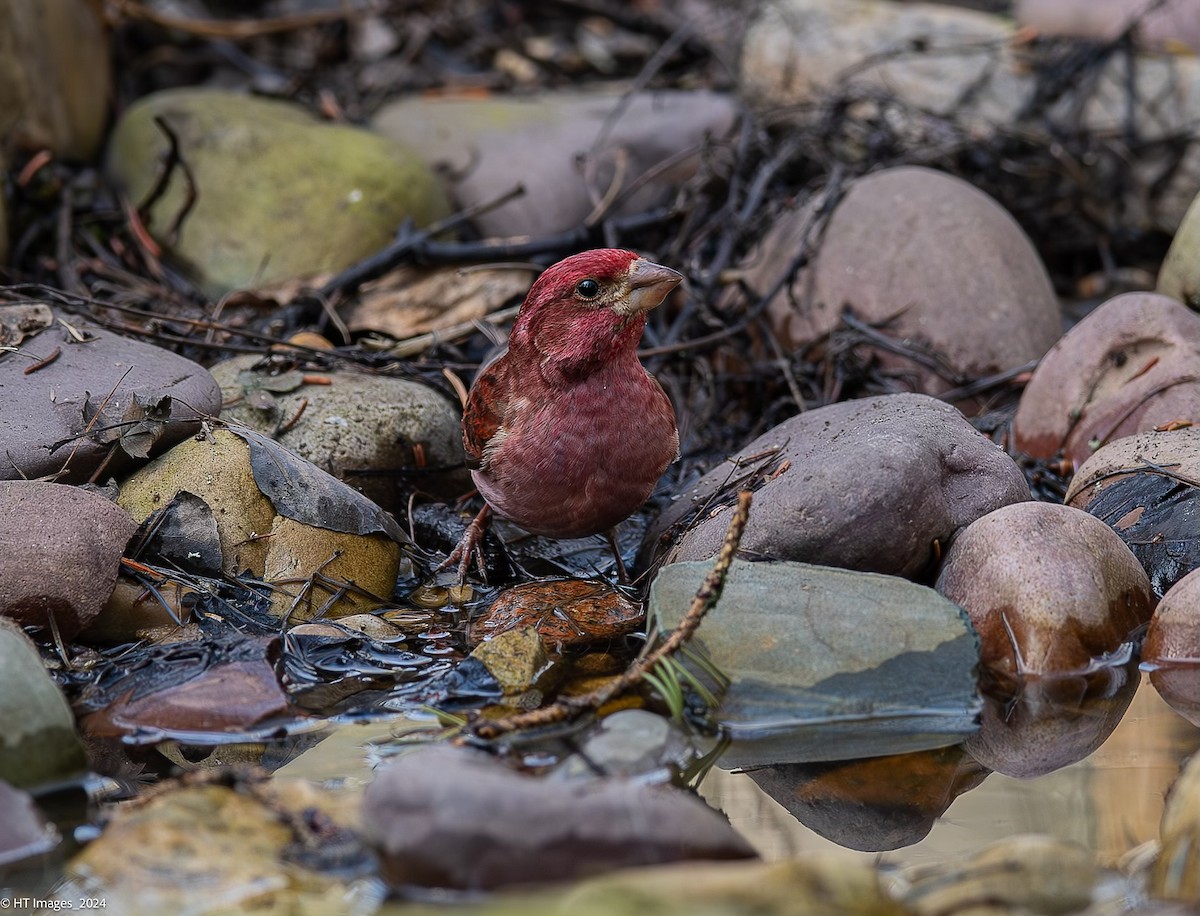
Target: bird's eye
[(588, 289)]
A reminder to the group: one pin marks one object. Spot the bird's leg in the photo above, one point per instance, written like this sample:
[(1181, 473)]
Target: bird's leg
[(470, 544), (622, 574)]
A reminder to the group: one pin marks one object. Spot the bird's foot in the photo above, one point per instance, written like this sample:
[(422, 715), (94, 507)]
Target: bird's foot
[(622, 573), (470, 545)]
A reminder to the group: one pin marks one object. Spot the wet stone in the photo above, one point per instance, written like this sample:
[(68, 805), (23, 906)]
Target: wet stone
[(105, 399), (191, 691), (1171, 649), (1049, 588), (827, 663), (518, 660), (450, 817), (1052, 722), (1145, 488), (566, 612), (60, 552), (873, 804), (631, 743), (875, 485)]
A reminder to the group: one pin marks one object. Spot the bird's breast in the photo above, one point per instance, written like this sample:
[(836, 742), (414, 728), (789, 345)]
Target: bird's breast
[(579, 459)]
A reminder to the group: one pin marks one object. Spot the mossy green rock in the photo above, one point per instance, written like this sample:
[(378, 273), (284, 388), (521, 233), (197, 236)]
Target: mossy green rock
[(280, 195)]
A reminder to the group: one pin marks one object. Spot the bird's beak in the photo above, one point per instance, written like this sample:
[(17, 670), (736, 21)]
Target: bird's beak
[(648, 284)]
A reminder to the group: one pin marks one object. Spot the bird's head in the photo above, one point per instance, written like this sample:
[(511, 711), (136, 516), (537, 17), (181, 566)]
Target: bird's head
[(590, 306)]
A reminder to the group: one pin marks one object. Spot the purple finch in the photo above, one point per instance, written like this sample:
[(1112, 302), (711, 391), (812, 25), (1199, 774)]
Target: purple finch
[(566, 432)]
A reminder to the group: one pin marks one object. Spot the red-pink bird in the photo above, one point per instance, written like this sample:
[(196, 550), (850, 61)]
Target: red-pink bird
[(566, 432)]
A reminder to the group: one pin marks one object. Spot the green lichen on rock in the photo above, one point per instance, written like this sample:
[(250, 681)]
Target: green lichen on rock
[(280, 195)]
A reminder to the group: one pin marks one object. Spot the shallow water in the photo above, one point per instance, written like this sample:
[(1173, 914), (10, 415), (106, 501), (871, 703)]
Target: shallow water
[(1110, 802)]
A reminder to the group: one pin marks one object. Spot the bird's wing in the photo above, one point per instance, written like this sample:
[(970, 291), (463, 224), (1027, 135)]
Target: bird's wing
[(487, 403)]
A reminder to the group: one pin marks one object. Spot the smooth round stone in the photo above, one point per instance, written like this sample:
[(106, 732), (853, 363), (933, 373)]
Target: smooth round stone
[(874, 485), (442, 816), (1053, 722), (1048, 587), (1128, 367), (560, 147), (60, 552), (1172, 647), (929, 260), (373, 432), (1174, 633), (98, 400), (280, 195)]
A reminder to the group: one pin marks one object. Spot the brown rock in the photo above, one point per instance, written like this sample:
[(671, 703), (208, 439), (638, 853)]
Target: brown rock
[(928, 259), (449, 817), (566, 612), (1172, 647), (876, 803), (870, 485), (1174, 633), (1131, 365), (1052, 722), (1049, 588), (60, 552)]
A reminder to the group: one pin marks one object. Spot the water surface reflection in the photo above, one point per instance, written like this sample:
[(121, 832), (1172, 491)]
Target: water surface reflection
[(1110, 802)]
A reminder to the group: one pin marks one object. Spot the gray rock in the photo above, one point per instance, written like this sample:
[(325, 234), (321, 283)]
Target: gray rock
[(280, 195), (366, 430), (98, 400), (869, 485), (38, 744), (565, 148), (60, 552), (929, 260), (631, 743), (828, 664), (449, 817)]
